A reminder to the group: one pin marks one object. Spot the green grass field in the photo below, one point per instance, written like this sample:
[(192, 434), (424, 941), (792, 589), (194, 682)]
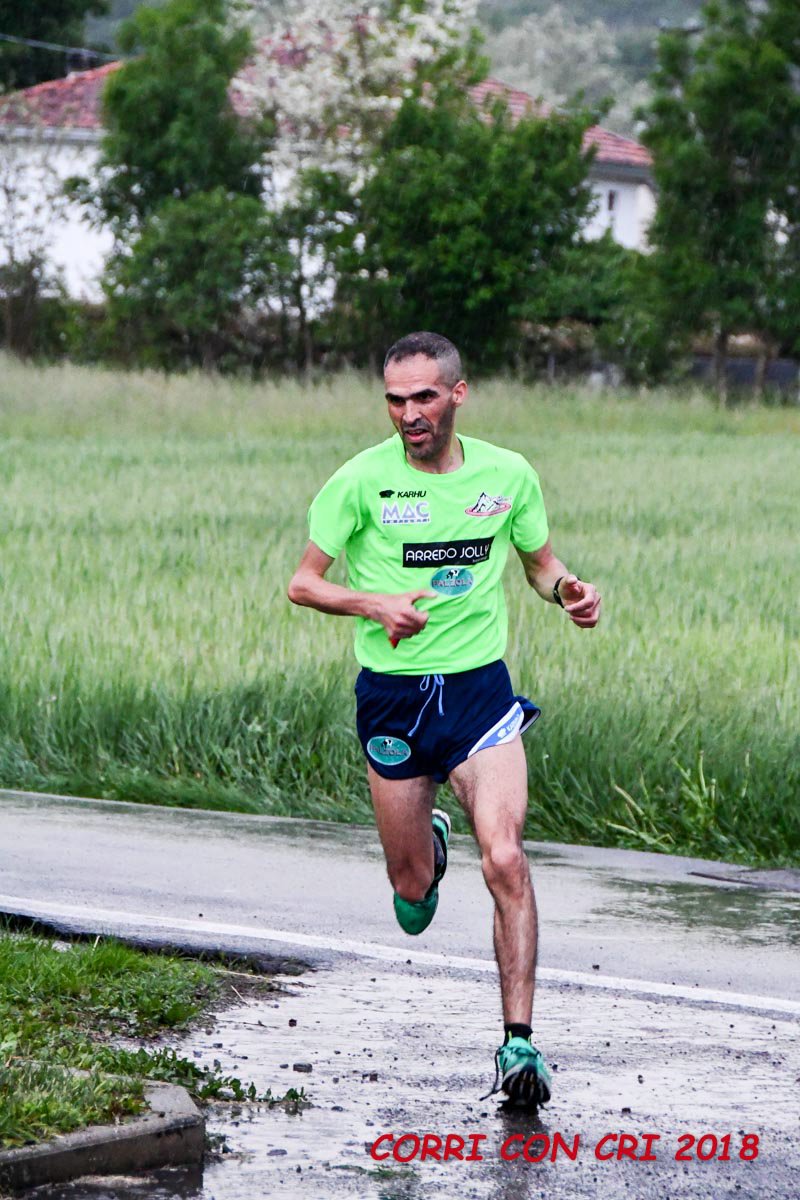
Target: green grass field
[(149, 527)]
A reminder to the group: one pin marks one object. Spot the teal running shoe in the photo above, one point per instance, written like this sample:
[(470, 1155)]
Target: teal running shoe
[(414, 916), (521, 1072)]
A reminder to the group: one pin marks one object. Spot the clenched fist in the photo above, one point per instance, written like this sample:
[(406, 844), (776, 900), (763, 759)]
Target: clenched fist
[(581, 601)]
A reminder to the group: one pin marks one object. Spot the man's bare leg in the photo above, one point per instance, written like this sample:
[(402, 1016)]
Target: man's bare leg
[(492, 788), (403, 817)]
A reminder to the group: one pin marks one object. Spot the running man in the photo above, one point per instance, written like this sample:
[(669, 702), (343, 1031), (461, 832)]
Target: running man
[(426, 519)]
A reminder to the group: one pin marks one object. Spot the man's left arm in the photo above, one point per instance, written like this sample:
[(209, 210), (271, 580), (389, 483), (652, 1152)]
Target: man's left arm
[(580, 600)]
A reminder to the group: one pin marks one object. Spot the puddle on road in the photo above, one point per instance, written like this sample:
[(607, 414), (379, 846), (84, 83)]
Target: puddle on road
[(396, 1051), (739, 915)]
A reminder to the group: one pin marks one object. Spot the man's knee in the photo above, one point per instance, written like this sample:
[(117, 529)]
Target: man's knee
[(505, 866)]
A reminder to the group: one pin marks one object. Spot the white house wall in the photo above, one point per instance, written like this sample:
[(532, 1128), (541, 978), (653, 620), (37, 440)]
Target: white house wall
[(625, 208), (77, 247), (67, 240), (79, 250)]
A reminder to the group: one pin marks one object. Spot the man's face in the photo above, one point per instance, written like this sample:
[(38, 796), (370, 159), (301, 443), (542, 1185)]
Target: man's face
[(421, 407)]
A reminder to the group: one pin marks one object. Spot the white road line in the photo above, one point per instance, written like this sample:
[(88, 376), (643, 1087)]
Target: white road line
[(110, 921)]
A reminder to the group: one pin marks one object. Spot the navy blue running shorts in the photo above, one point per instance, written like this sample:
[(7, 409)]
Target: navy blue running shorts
[(412, 725)]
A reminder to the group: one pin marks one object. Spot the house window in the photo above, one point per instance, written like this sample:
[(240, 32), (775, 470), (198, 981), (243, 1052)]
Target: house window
[(612, 201)]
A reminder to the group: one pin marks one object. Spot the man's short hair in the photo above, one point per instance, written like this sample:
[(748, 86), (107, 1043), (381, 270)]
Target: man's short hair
[(431, 345)]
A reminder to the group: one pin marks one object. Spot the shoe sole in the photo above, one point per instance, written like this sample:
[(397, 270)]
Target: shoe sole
[(444, 818), (525, 1087), (443, 835)]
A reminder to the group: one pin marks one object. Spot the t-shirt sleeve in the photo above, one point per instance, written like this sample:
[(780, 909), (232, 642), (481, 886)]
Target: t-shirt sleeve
[(335, 513), (529, 528)]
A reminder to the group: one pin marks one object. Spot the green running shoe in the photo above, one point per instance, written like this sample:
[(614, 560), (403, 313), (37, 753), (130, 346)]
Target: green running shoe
[(414, 916), (521, 1073)]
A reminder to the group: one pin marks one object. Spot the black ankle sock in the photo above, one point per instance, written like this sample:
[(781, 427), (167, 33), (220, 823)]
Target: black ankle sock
[(512, 1031)]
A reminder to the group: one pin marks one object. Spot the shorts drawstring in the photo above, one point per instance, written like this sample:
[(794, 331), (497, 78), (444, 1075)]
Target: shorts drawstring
[(425, 684)]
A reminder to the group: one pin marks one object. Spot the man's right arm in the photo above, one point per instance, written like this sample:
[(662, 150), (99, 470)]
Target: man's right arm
[(310, 588)]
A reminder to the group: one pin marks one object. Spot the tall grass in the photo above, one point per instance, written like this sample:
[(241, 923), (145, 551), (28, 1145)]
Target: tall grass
[(149, 525)]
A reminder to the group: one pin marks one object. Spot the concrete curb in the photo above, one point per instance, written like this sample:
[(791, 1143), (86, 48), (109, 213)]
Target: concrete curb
[(170, 1134)]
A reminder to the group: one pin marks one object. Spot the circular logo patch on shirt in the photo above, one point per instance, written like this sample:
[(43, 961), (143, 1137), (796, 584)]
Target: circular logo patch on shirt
[(452, 581), (388, 751)]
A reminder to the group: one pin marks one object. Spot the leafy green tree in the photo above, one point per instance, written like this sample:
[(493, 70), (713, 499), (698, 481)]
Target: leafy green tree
[(198, 273), (57, 21), (180, 184), (350, 71), (605, 295), (781, 24), (714, 128), (461, 223), (171, 130), (635, 332), (583, 283)]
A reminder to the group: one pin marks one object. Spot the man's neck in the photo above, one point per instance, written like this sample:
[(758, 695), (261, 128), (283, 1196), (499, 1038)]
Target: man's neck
[(451, 458)]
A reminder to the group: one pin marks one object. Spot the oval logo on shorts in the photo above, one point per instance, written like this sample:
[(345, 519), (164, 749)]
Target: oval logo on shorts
[(452, 581), (388, 751)]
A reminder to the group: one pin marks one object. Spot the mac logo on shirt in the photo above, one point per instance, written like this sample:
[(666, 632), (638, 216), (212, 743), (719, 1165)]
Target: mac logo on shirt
[(406, 514)]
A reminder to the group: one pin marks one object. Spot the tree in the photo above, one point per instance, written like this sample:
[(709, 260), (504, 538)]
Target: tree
[(334, 78), (781, 24), (635, 332), (171, 130), (180, 184), (58, 21), (720, 170), (333, 81), (194, 281), (461, 221)]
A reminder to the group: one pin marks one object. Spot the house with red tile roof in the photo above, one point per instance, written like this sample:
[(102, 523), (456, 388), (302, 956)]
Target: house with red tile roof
[(621, 174), (62, 120)]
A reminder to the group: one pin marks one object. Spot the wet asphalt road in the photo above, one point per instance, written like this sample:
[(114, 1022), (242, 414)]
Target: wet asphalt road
[(667, 999)]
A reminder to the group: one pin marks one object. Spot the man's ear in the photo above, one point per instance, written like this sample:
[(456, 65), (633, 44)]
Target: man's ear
[(460, 392)]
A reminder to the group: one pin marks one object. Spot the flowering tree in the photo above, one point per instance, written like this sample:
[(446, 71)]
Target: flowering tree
[(334, 80)]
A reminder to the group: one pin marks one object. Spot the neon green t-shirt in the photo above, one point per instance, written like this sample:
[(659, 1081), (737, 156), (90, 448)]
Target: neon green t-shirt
[(404, 529)]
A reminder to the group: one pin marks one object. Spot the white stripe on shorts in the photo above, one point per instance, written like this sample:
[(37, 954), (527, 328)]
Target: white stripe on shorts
[(505, 730)]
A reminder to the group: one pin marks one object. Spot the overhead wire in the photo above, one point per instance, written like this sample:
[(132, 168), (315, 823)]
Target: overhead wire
[(84, 50)]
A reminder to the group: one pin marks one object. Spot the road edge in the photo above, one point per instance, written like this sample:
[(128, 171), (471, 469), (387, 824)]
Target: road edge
[(172, 1133)]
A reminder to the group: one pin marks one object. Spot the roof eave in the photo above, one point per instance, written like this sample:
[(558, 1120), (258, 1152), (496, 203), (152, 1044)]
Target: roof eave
[(52, 133), (602, 168)]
